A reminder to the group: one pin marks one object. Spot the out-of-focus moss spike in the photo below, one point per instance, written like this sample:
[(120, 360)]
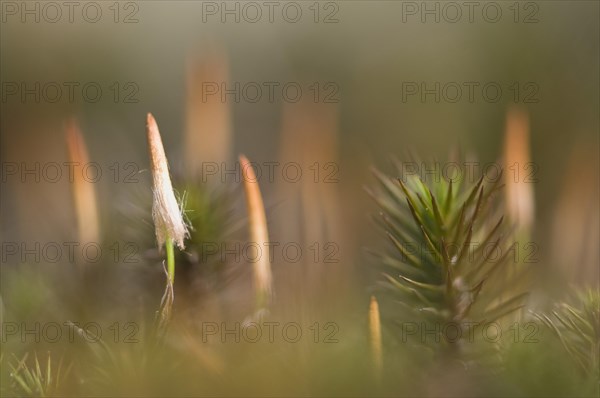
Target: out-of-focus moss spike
[(458, 226), (474, 293), (259, 234), (465, 246), (448, 203), (473, 192), (491, 234), (469, 227), (476, 269), (406, 193), (415, 292), (445, 254), (426, 286), (496, 186), (385, 181), (437, 214), (430, 243), (375, 337), (410, 259), (414, 214), (409, 231), (424, 189), (422, 201)]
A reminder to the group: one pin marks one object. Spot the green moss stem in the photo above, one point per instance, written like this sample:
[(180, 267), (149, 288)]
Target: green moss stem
[(170, 259)]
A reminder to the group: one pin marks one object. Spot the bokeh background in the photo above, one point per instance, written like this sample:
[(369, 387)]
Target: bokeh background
[(362, 54)]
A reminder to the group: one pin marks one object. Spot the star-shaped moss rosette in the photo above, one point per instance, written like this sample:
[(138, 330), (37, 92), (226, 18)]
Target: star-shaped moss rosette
[(449, 258)]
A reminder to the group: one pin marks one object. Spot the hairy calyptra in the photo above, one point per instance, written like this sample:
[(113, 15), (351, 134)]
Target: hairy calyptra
[(168, 220)]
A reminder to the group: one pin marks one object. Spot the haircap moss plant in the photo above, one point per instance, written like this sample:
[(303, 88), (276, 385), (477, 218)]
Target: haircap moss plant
[(440, 269), (167, 215)]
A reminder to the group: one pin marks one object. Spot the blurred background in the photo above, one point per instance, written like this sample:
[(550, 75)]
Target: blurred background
[(376, 79)]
